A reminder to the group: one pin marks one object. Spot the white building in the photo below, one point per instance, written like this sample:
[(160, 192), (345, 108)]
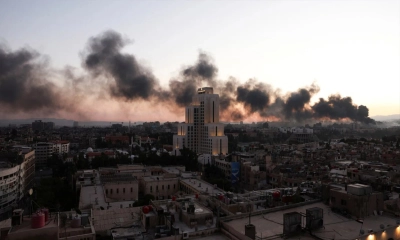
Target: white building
[(61, 147), (202, 132), (16, 178)]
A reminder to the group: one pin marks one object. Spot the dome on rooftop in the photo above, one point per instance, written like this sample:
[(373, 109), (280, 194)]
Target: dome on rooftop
[(89, 150)]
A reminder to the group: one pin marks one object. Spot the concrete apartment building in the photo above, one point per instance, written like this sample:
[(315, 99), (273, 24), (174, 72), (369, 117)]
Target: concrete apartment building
[(15, 179), (60, 147), (202, 132), (43, 150), (357, 199), (38, 125)]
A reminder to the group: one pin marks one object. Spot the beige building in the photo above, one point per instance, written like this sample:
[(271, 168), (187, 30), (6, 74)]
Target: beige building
[(61, 147), (66, 225), (358, 200), (161, 187), (122, 191), (202, 132), (251, 176)]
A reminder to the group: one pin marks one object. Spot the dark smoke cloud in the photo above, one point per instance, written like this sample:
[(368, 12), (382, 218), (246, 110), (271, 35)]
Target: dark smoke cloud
[(259, 98), (254, 96), (296, 104), (131, 80), (24, 84), (191, 78), (339, 108), (203, 69)]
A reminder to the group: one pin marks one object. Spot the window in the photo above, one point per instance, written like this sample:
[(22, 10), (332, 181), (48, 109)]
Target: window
[(123, 190), (131, 189), (157, 187), (333, 199), (111, 191), (117, 190), (151, 188), (174, 186), (162, 187), (106, 191), (168, 186), (343, 202)]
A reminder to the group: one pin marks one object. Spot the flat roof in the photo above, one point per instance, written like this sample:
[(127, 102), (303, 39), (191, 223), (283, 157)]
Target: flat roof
[(171, 170), (5, 224), (119, 217), (26, 224), (203, 186), (336, 226), (156, 178), (94, 197)]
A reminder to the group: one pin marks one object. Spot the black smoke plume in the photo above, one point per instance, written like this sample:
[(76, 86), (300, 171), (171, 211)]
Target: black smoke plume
[(24, 84), (254, 96), (191, 78), (339, 108), (131, 80)]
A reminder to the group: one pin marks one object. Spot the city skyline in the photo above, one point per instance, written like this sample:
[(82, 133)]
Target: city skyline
[(348, 48)]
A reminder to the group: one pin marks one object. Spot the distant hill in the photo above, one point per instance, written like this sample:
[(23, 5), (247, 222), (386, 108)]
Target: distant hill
[(59, 122), (387, 117)]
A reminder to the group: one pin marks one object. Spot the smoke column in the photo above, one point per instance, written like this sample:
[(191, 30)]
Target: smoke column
[(25, 86)]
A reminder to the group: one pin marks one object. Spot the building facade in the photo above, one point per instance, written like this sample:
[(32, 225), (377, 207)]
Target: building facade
[(43, 151), (202, 132), (61, 147), (16, 178)]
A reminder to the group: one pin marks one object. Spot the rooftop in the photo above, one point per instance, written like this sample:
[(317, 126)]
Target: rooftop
[(112, 218), (202, 186), (336, 226), (26, 224)]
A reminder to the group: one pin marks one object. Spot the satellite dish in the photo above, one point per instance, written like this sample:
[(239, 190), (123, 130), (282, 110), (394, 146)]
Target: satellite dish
[(30, 191)]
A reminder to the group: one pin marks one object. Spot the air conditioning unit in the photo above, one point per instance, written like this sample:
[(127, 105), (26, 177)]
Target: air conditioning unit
[(185, 235), (291, 223), (314, 218)]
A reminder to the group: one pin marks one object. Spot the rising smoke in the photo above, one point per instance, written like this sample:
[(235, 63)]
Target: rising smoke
[(192, 77), (130, 81), (24, 86)]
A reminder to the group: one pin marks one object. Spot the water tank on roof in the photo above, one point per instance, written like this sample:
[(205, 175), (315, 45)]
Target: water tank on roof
[(276, 195), (38, 220), (145, 209), (45, 211)]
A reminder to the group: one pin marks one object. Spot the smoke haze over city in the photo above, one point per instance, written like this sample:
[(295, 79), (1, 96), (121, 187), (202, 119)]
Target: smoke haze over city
[(111, 82)]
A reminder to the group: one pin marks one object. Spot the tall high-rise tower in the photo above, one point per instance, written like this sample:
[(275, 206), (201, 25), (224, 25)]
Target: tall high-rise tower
[(202, 132)]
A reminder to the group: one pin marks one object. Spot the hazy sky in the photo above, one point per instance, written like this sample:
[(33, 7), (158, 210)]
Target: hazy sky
[(346, 47)]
